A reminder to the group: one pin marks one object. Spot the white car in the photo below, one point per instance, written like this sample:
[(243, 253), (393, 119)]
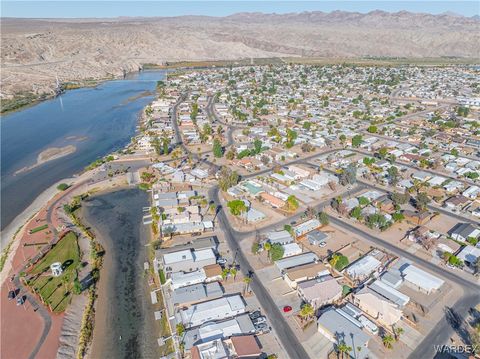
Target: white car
[(322, 244), (368, 324)]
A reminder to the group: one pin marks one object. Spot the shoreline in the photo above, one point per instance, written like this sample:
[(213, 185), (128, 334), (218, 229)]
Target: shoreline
[(212, 64), (106, 339), (50, 154), (11, 232)]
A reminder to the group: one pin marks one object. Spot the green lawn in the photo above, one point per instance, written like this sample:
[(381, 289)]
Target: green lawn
[(56, 291), (38, 229)]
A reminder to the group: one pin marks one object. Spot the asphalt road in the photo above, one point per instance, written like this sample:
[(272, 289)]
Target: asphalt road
[(285, 334), (290, 342), (439, 335), (443, 330)]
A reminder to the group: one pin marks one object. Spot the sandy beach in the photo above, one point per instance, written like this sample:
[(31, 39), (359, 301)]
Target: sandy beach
[(49, 154)]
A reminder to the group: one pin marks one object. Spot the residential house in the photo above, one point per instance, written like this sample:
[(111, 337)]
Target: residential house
[(377, 306), (295, 275), (337, 326), (211, 310), (462, 231), (319, 291)]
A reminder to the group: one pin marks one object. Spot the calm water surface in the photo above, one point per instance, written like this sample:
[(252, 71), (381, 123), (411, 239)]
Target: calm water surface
[(96, 120), (124, 323)]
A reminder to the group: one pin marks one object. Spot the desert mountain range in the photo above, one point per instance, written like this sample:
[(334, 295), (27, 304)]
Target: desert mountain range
[(35, 51)]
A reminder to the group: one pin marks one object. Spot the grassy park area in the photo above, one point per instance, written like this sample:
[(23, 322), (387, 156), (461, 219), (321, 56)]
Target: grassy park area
[(57, 291), (38, 229)]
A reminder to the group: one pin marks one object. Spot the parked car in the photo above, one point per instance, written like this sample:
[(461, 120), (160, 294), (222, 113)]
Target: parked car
[(21, 300), (221, 261), (260, 320), (368, 324), (254, 315), (11, 295), (322, 244), (287, 309), (262, 328)]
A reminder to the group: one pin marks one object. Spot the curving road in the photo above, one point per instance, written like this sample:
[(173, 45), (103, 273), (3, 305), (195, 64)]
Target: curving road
[(439, 335)]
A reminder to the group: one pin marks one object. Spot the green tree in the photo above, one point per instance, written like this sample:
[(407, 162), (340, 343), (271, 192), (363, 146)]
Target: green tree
[(421, 201), (342, 139), (157, 145), (343, 349), (217, 148), (363, 201), (62, 186), (356, 213), (398, 217), (349, 175), (255, 248), (257, 146), (382, 152), (225, 273), (357, 141), (400, 198), (230, 155), (323, 218), (246, 281), (372, 129), (227, 178), (237, 207), (393, 175), (194, 113), (307, 311), (388, 341), (276, 252), (180, 329), (292, 203), (233, 272), (77, 286)]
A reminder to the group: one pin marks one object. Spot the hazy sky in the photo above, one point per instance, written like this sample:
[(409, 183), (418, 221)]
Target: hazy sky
[(88, 8)]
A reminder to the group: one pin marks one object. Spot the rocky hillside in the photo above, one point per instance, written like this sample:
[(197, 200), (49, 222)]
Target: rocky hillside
[(34, 51)]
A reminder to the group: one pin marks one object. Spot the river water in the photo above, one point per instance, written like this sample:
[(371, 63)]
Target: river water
[(95, 120), (124, 322)]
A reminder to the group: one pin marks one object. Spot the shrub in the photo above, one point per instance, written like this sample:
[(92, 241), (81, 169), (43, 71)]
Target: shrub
[(161, 274), (62, 186)]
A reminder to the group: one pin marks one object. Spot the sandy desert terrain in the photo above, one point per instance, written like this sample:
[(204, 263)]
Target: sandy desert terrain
[(35, 51)]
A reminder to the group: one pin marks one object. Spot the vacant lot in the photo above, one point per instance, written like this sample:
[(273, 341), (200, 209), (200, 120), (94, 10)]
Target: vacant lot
[(56, 292)]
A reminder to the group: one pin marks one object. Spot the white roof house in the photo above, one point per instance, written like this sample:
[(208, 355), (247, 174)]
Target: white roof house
[(311, 185), (390, 293), (420, 279), (304, 258), (291, 249), (363, 268), (469, 254), (282, 237), (182, 279), (216, 309), (306, 227)]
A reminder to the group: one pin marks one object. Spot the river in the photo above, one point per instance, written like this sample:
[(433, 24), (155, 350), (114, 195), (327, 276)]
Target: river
[(95, 120), (124, 322)]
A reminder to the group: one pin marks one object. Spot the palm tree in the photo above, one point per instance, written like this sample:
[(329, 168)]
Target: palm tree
[(233, 272), (225, 273), (398, 331), (267, 246), (343, 349), (388, 341), (307, 311), (168, 231), (247, 281)]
